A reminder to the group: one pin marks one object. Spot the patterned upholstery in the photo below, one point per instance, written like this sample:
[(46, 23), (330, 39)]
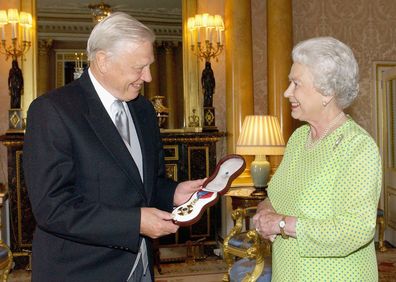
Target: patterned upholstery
[(244, 266), (5, 261), (241, 241), (249, 248)]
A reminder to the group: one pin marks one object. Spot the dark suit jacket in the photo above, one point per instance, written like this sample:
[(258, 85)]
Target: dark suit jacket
[(84, 187)]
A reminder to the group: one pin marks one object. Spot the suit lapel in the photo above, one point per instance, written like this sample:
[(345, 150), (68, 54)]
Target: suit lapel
[(139, 118), (107, 133)]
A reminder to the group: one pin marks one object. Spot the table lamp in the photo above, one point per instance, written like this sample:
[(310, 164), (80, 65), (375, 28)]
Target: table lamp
[(260, 136)]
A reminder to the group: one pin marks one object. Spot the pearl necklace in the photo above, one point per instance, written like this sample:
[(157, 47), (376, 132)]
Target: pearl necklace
[(312, 143)]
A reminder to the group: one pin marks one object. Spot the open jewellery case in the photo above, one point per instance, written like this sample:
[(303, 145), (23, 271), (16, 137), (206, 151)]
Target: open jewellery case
[(227, 169)]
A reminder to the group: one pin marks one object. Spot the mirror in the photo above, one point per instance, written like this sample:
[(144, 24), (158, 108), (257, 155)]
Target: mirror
[(63, 31)]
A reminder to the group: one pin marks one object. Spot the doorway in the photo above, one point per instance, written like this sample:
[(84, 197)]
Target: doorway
[(386, 139)]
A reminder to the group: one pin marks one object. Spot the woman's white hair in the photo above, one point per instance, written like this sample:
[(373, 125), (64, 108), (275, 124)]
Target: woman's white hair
[(114, 31), (333, 66)]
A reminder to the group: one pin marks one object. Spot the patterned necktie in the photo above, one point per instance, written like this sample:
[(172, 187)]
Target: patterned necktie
[(120, 120), (122, 123)]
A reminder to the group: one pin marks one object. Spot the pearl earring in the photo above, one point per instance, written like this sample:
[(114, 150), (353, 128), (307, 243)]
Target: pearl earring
[(324, 103)]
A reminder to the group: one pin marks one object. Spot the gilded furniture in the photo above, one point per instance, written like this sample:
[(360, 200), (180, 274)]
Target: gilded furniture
[(243, 201), (21, 222), (5, 252), (246, 244), (245, 197), (381, 230)]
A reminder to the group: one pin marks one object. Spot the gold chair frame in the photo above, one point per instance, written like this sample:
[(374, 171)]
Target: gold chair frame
[(6, 264), (257, 251), (381, 231)]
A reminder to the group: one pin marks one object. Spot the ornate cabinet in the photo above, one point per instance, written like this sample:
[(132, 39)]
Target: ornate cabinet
[(192, 156), (187, 156), (21, 220)]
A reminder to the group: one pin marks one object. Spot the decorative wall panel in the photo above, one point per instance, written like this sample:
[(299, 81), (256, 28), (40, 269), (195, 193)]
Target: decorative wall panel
[(366, 26)]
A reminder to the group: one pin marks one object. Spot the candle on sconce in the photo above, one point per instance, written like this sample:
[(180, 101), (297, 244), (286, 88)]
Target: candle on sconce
[(75, 60), (25, 22), (13, 18), (218, 22), (211, 25), (3, 22), (205, 23), (28, 26), (28, 33), (191, 28), (198, 23), (13, 31)]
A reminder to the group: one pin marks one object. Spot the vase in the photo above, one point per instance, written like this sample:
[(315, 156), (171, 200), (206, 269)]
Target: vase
[(161, 110)]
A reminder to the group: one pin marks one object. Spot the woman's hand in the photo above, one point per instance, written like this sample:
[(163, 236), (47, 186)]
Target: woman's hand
[(266, 221)]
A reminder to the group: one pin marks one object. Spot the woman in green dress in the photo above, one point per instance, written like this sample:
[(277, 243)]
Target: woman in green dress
[(322, 200)]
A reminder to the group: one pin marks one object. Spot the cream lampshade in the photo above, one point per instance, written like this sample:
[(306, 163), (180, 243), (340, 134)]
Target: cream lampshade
[(260, 136)]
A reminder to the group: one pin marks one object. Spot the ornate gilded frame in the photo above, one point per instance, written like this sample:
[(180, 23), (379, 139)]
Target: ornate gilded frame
[(382, 73), (380, 127)]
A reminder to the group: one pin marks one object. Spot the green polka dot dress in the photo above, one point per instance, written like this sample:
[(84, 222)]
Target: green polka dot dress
[(333, 190)]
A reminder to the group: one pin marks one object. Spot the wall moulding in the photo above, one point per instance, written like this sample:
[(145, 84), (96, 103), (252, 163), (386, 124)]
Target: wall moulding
[(59, 25)]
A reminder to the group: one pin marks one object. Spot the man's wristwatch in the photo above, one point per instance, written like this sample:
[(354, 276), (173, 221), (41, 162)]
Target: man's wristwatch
[(282, 224)]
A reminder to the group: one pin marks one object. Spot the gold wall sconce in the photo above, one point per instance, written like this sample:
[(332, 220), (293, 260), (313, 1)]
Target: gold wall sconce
[(204, 30), (21, 24), (207, 43), (15, 47)]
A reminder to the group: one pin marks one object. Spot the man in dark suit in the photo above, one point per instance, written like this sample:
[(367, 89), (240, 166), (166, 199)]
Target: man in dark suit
[(97, 185)]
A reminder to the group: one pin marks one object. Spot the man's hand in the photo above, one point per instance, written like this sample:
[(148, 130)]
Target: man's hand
[(155, 223), (185, 189)]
